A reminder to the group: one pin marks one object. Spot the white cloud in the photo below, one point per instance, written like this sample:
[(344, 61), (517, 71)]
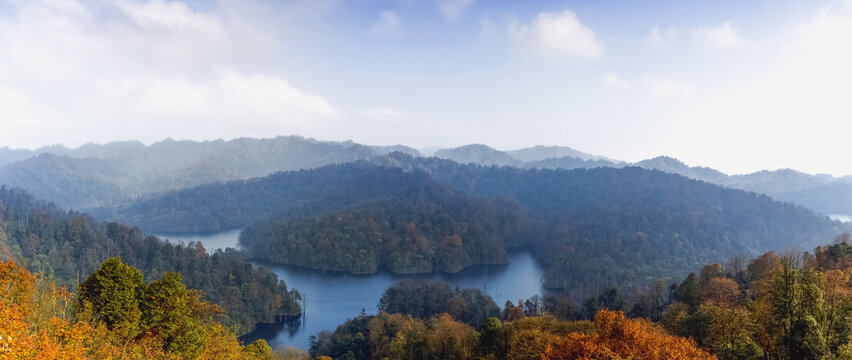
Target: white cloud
[(388, 24), (660, 37), (557, 35), (724, 36), (453, 9), (613, 81), (143, 70)]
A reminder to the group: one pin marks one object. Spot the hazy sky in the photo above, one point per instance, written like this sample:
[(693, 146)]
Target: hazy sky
[(735, 85)]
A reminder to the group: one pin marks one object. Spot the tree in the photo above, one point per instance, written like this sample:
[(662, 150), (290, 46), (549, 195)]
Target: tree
[(111, 296), (688, 292), (616, 337), (720, 291), (491, 337)]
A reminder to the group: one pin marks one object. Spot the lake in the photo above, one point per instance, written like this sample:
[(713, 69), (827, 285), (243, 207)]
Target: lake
[(331, 298)]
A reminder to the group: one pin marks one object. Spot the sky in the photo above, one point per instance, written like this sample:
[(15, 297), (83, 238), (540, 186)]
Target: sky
[(739, 86)]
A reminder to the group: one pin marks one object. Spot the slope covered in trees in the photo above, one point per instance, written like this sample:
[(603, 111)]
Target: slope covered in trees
[(115, 315), (590, 228), (303, 193), (396, 336), (67, 246), (115, 173), (427, 227)]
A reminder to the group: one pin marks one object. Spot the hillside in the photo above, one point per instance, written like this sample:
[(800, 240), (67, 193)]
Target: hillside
[(68, 246), (589, 227), (235, 204), (103, 175)]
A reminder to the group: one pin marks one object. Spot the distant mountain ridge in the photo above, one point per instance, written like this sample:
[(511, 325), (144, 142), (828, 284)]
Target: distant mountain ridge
[(116, 173), (821, 192), (104, 175)]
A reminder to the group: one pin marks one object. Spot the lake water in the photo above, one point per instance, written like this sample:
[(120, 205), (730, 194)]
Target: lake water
[(331, 298)]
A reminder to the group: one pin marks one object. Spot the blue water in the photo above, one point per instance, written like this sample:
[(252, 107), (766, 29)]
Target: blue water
[(331, 298)]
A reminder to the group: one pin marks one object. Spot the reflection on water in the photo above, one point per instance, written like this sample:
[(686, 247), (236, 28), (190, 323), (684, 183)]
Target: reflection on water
[(211, 241), (331, 298)]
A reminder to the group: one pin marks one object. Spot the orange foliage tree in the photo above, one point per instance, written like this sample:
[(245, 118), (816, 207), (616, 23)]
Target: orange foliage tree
[(616, 337)]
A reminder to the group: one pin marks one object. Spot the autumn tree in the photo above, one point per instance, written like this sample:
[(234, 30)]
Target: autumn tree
[(616, 337)]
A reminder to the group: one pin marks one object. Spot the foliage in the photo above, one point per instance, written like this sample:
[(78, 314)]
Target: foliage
[(423, 300), (395, 336), (117, 316), (65, 246), (591, 228)]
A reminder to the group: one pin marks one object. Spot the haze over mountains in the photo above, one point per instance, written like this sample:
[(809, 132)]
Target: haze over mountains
[(116, 173)]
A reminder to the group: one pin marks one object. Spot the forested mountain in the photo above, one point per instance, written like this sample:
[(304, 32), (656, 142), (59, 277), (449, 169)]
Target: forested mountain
[(102, 175), (118, 173), (428, 228), (304, 193), (590, 227), (601, 219), (822, 193), (66, 247), (540, 152), (478, 154)]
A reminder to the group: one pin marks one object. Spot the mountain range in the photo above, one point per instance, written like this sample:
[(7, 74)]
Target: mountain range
[(118, 173)]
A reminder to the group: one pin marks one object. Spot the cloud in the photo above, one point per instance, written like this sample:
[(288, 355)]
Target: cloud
[(487, 28), (453, 9), (659, 37), (668, 87), (144, 70), (724, 36), (388, 24), (613, 81), (384, 112), (557, 35)]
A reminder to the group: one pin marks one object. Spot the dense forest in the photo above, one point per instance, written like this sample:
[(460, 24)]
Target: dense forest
[(121, 173), (610, 226), (590, 228), (66, 246), (420, 320), (426, 228), (115, 314), (303, 193), (792, 306)]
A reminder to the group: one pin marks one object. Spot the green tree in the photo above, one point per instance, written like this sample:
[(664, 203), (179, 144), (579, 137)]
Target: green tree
[(688, 292), (111, 296), (490, 337)]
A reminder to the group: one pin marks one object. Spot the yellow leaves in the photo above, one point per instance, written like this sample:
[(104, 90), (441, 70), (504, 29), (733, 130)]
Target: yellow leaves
[(17, 285), (34, 325)]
